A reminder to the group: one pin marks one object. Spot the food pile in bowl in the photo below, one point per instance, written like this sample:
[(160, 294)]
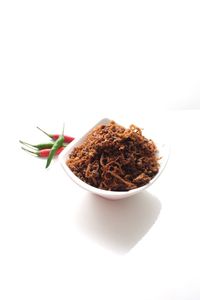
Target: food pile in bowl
[(114, 158)]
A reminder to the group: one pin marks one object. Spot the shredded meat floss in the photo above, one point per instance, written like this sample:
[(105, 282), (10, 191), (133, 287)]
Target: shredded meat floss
[(114, 158)]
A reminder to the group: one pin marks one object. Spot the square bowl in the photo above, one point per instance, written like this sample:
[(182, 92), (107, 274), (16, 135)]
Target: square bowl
[(163, 152)]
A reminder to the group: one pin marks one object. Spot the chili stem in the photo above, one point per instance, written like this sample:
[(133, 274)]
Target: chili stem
[(49, 135), (32, 152)]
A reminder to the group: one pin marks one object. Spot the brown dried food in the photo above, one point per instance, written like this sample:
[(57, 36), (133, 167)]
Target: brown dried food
[(114, 158)]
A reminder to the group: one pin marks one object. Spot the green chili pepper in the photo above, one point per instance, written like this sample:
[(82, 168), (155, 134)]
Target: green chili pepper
[(58, 143), (39, 146)]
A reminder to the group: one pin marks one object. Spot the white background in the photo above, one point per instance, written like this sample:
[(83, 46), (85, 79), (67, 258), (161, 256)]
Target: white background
[(76, 62)]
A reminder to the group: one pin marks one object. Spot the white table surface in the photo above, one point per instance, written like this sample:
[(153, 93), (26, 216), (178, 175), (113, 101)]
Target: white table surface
[(59, 242)]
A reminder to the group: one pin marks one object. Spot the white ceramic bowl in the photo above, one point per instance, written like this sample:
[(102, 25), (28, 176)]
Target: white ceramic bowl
[(163, 152)]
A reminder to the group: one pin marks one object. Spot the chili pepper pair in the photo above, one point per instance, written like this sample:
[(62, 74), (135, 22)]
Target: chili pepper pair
[(49, 150)]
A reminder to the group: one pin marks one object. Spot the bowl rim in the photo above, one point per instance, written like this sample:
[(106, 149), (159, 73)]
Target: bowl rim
[(65, 153)]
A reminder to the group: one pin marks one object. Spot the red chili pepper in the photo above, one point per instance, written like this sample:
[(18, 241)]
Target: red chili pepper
[(67, 138), (43, 152)]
